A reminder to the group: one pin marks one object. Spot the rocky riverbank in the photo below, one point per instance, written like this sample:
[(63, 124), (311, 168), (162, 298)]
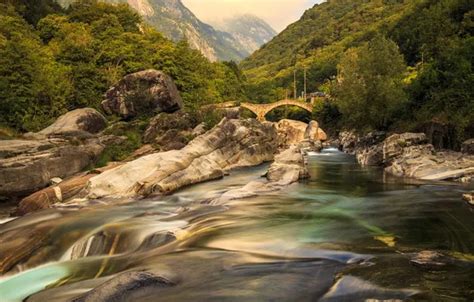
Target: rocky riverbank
[(233, 143), (409, 155)]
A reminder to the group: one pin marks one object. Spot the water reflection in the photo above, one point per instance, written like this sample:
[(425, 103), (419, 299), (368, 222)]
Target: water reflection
[(347, 234)]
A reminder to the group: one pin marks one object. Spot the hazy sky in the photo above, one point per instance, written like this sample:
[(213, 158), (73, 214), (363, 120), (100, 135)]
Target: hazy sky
[(278, 13)]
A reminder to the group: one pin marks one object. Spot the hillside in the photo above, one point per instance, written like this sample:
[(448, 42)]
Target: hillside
[(434, 38), (248, 30), (323, 33)]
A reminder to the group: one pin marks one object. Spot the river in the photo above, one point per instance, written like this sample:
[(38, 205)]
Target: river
[(346, 234)]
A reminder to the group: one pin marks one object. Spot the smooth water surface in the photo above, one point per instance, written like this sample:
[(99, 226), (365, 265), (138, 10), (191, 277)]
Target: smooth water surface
[(347, 234)]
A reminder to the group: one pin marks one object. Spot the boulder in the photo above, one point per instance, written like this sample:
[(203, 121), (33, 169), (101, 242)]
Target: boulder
[(312, 131), (47, 197), (431, 260), (469, 198), (142, 92), (27, 166), (74, 122), (59, 192), (322, 136), (291, 132), (468, 146), (231, 144), (348, 141), (164, 122), (289, 167), (126, 287), (370, 156), (395, 145)]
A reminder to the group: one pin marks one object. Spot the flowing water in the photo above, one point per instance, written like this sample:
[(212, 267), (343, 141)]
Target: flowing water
[(347, 234)]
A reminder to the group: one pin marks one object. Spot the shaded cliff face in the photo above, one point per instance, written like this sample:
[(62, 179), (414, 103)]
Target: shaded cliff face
[(249, 31)]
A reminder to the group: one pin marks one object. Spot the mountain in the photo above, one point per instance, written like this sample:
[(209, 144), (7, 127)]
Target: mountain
[(176, 21), (250, 31)]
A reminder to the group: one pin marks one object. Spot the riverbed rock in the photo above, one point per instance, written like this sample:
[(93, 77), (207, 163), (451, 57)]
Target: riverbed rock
[(429, 260), (170, 131), (59, 192), (27, 166), (468, 146), (288, 167), (348, 140), (231, 144), (291, 132), (409, 155), (126, 287), (80, 120), (469, 198), (199, 129), (141, 92), (396, 144)]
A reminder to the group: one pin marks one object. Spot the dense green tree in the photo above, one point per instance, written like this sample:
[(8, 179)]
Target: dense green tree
[(368, 89), (33, 86)]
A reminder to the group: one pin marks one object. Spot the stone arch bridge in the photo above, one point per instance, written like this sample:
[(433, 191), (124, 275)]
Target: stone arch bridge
[(261, 110)]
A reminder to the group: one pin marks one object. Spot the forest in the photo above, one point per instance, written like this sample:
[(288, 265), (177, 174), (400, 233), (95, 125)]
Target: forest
[(54, 60)]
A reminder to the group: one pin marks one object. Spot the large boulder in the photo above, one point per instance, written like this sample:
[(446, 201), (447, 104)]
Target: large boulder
[(142, 92), (291, 132), (74, 122), (231, 144), (27, 166)]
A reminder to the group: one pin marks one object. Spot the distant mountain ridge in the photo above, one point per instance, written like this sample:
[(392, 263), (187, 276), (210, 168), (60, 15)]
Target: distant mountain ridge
[(176, 21), (250, 31)]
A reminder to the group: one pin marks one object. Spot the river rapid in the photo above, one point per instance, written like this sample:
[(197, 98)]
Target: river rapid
[(346, 234)]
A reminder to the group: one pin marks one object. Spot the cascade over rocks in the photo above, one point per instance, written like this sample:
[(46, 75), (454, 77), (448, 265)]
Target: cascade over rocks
[(231, 144), (141, 92)]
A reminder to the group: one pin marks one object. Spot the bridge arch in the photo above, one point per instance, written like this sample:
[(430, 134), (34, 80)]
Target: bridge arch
[(261, 110)]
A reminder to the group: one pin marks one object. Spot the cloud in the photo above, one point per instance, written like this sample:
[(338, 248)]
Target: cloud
[(278, 13)]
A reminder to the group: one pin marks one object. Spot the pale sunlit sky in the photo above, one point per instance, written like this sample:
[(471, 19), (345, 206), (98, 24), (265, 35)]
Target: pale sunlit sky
[(278, 13)]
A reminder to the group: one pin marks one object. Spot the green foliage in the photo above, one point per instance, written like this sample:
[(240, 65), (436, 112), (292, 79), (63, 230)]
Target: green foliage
[(328, 115), (368, 90), (33, 86), (69, 60), (122, 151), (434, 37)]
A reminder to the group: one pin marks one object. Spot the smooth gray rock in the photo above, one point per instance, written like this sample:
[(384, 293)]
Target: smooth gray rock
[(231, 144), (80, 120), (125, 287), (27, 166)]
